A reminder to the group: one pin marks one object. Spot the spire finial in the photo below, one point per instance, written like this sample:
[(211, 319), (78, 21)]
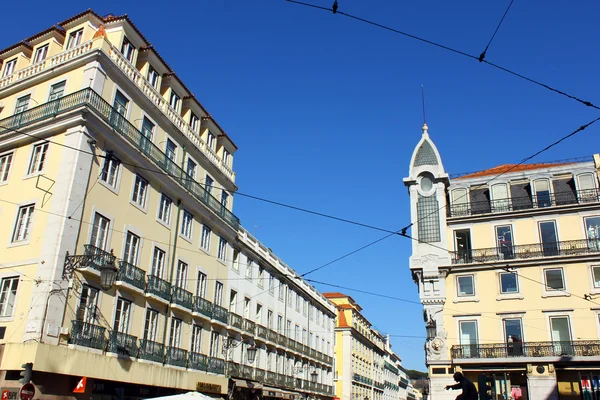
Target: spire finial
[(425, 129)]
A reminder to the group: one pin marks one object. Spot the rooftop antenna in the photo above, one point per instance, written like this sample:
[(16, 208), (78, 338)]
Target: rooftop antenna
[(423, 102)]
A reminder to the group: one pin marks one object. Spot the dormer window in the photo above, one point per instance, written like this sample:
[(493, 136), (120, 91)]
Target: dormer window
[(586, 188), (153, 77), (226, 157), (9, 68), (75, 39), (174, 101), (541, 189), (500, 199), (40, 54), (211, 141), (460, 202), (127, 50), (194, 122)]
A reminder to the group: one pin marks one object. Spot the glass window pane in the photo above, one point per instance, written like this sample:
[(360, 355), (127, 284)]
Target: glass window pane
[(560, 329), (512, 330), (465, 286), (508, 283), (554, 279), (596, 273)]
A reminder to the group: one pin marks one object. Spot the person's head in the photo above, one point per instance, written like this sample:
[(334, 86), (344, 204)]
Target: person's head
[(458, 376)]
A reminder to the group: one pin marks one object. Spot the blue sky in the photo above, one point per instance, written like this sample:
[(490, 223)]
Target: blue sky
[(326, 112)]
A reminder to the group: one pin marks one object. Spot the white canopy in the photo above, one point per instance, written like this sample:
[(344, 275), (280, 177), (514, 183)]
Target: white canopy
[(185, 396)]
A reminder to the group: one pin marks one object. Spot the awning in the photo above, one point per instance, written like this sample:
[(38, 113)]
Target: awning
[(280, 394), (242, 383)]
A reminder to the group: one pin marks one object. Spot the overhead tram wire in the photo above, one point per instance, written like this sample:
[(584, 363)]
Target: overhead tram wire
[(482, 55), (450, 49)]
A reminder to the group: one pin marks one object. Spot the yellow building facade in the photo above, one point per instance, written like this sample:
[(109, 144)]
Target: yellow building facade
[(507, 263), (366, 366), (108, 162)]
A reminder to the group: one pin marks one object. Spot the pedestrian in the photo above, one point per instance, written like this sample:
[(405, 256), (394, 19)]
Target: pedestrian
[(469, 392)]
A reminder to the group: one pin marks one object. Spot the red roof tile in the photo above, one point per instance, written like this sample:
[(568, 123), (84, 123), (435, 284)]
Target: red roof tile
[(507, 168), (342, 322)]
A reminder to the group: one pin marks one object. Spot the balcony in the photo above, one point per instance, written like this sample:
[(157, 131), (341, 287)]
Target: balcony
[(203, 307), (151, 351), (233, 369), (235, 321), (198, 361), (272, 336), (280, 379), (94, 102), (131, 275), (176, 357), (216, 365), (290, 382), (123, 344), (181, 297), (220, 314), (248, 326), (282, 340), (526, 251), (524, 203), (88, 335), (579, 348), (97, 257), (158, 287), (260, 375), (271, 378), (261, 332)]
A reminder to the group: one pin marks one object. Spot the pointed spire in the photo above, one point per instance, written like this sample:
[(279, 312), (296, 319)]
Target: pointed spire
[(425, 130)]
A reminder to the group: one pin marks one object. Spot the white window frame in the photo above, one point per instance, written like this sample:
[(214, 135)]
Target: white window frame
[(165, 206), (139, 192), (205, 238), (106, 236), (175, 333), (9, 67), (500, 283), (128, 50), (9, 288), (6, 160), (37, 160), (54, 94), (562, 275), (23, 224), (222, 250), (22, 103), (74, 39), (181, 274), (122, 317), (226, 158), (194, 122), (458, 294), (218, 298), (131, 248), (211, 141), (261, 276), (151, 322), (110, 173), (159, 257), (201, 285), (249, 266), (41, 53), (153, 77), (196, 342), (174, 101), (187, 222), (233, 301)]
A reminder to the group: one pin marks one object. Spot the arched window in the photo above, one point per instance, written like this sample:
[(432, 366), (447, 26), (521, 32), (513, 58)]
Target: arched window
[(586, 188), (500, 198), (541, 193)]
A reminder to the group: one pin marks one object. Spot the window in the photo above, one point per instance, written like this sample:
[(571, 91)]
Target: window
[(288, 328), (297, 302), (586, 186), (40, 54), (504, 241), (211, 141), (311, 341), (281, 290), (269, 319), (214, 344), (541, 189), (468, 338), (140, 188), (508, 282), (554, 279), (208, 184), (235, 263), (261, 276), (460, 202), (289, 296), (592, 229), (596, 275), (8, 295), (57, 91), (164, 209), (5, 163), (561, 334), (110, 170), (513, 331), (305, 307), (224, 198), (175, 336), (132, 244), (75, 38), (22, 104), (247, 308), (500, 199), (9, 68), (303, 336), (232, 301), (151, 325), (127, 50), (88, 304), (122, 315), (297, 333), (205, 239), (222, 253), (549, 238), (226, 157), (258, 317), (100, 228), (201, 285), (147, 129), (194, 122), (186, 224), (170, 151), (38, 157), (191, 168), (218, 293), (121, 103), (249, 266), (22, 228), (181, 275), (196, 339), (462, 243), (465, 285), (153, 77), (280, 324), (158, 262), (174, 101)]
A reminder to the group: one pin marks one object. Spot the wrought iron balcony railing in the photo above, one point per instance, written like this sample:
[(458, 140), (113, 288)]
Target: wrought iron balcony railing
[(122, 343), (259, 374), (271, 378), (181, 297), (88, 335), (524, 251), (248, 326), (197, 361), (261, 331), (176, 357), (235, 320), (234, 369), (132, 275), (272, 336), (580, 348), (93, 101), (247, 371), (220, 314), (203, 306), (152, 351), (216, 365), (158, 287), (524, 203)]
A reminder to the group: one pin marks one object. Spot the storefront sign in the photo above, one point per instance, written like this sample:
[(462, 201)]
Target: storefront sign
[(10, 393), (208, 387)]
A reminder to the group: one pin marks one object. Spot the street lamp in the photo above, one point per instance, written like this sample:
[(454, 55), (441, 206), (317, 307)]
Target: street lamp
[(314, 376), (251, 353), (103, 261), (431, 329)]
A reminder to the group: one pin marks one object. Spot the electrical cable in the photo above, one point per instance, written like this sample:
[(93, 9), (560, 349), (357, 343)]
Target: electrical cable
[(450, 49), (482, 56)]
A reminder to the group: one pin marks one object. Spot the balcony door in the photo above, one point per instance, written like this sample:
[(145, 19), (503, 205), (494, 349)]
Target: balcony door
[(462, 241), (500, 198), (513, 336), (541, 188), (561, 335), (504, 242), (468, 338), (549, 238)]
